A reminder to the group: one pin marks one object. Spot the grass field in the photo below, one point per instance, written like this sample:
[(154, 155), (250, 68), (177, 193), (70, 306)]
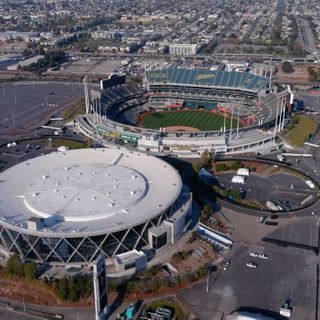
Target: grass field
[(300, 128), (202, 120)]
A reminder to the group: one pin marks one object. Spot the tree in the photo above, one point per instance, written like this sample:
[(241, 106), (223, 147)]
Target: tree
[(63, 288), (206, 213), (205, 160), (235, 165), (14, 266), (287, 67), (73, 295), (30, 270)]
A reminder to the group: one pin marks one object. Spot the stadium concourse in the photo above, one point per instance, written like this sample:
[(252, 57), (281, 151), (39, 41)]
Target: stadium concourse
[(249, 112), (69, 207)]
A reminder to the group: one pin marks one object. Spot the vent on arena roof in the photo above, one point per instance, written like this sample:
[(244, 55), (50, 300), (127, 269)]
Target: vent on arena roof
[(94, 173), (115, 180), (133, 192), (57, 183), (159, 206), (57, 190), (94, 198), (45, 177), (80, 174), (115, 187), (110, 205), (133, 177), (63, 196), (77, 199), (66, 168)]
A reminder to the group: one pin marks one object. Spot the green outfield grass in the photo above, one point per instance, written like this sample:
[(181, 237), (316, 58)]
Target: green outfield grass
[(202, 120)]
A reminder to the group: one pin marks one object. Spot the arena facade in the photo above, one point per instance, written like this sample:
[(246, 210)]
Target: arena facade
[(69, 207), (244, 97)]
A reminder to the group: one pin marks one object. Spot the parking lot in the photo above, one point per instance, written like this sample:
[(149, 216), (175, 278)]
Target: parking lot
[(9, 156), (288, 273), (29, 103), (285, 189)]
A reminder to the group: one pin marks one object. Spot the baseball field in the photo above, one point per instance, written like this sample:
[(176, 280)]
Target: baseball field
[(201, 120)]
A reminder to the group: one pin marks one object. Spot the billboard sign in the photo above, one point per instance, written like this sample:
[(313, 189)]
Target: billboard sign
[(114, 80)]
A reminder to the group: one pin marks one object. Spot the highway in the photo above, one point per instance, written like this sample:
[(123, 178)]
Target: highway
[(306, 37)]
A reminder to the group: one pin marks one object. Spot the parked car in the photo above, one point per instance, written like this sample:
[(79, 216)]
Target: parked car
[(252, 265), (254, 254)]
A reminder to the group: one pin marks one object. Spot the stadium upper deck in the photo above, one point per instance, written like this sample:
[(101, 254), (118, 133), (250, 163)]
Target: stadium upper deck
[(243, 81)]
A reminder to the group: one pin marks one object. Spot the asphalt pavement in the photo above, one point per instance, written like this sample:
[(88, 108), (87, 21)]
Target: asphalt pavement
[(23, 104)]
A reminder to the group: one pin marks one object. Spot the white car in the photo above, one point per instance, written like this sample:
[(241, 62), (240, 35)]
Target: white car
[(253, 254), (263, 256), (252, 265)]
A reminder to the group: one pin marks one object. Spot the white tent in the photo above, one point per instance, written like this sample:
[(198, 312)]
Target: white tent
[(238, 179), (243, 172)]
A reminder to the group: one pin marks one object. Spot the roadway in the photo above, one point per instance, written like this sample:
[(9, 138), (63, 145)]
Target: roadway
[(306, 37)]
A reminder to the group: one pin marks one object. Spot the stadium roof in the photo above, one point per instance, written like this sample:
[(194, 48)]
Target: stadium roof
[(87, 191), (208, 78)]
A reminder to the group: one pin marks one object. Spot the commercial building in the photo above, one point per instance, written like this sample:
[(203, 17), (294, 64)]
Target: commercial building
[(183, 49), (105, 34)]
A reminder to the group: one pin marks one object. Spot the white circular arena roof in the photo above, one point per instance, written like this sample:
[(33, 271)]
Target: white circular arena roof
[(87, 191)]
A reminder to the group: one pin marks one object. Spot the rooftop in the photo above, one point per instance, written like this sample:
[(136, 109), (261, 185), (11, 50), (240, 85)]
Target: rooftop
[(90, 191)]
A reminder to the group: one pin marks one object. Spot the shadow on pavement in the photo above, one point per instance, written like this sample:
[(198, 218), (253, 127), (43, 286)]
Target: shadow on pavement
[(117, 302)]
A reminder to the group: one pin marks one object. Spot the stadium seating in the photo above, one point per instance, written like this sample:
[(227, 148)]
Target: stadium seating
[(122, 103), (207, 78)]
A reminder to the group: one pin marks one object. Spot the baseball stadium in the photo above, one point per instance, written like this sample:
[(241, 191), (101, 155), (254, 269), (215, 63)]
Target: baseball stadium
[(185, 111), (70, 207)]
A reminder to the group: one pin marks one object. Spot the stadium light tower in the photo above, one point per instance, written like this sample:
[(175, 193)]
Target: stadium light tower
[(238, 123), (231, 121), (86, 93), (276, 121), (224, 122)]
